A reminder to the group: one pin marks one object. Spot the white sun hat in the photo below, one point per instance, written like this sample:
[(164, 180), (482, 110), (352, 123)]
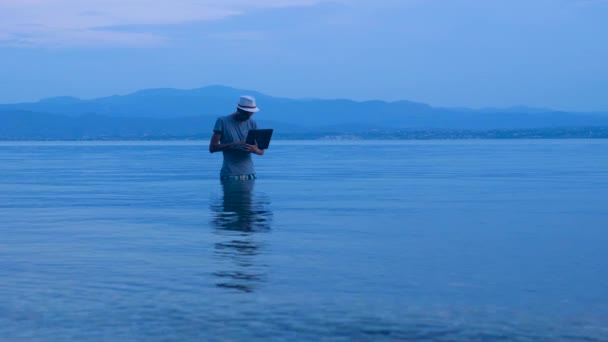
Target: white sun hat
[(247, 103)]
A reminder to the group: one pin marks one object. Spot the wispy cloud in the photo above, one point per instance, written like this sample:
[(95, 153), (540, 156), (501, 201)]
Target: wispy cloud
[(239, 36), (77, 22)]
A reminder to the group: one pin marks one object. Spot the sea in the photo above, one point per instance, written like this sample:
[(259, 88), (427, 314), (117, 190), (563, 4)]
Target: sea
[(431, 240)]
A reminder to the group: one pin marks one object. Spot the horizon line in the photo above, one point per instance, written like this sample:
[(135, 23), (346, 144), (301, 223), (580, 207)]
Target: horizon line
[(485, 108)]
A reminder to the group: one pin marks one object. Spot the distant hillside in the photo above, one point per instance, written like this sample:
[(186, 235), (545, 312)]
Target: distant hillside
[(23, 125), (173, 112)]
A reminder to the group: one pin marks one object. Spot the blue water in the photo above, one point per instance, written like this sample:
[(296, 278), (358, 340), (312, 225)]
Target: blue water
[(395, 240)]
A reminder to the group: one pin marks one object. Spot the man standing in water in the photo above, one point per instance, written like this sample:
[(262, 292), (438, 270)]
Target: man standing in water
[(229, 136)]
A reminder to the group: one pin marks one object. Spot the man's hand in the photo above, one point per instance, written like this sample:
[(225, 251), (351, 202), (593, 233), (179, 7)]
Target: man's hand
[(253, 148)]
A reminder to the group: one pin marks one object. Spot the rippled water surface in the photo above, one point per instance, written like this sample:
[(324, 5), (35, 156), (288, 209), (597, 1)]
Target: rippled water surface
[(434, 240)]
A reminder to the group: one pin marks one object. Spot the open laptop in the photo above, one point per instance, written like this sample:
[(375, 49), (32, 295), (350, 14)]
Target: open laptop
[(261, 136)]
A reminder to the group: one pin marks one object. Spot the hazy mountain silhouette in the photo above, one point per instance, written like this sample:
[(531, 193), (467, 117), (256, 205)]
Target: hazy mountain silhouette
[(173, 112)]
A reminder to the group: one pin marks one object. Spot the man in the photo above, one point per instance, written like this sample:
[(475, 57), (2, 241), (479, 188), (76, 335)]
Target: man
[(229, 136)]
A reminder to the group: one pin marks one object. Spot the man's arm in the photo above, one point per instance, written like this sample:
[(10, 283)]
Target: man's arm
[(215, 146)]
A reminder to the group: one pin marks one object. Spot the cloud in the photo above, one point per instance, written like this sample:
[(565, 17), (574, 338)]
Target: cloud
[(77, 22), (239, 36)]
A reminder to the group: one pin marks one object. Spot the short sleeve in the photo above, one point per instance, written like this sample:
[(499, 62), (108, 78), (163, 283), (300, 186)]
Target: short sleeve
[(219, 126)]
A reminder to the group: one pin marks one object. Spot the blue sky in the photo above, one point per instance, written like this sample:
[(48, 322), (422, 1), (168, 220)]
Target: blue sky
[(471, 53)]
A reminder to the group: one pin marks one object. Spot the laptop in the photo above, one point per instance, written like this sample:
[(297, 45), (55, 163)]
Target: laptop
[(261, 136)]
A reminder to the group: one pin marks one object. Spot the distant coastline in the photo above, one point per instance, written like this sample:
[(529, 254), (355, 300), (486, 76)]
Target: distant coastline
[(497, 134), (173, 114)]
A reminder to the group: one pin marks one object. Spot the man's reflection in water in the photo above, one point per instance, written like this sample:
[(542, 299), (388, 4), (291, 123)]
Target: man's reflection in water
[(239, 218)]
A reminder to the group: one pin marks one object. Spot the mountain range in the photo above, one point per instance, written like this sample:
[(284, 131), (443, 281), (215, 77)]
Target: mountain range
[(175, 113)]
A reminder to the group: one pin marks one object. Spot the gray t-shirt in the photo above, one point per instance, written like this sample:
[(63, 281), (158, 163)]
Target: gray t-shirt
[(237, 161)]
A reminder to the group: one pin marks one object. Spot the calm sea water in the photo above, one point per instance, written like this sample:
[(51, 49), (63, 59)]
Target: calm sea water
[(433, 240)]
